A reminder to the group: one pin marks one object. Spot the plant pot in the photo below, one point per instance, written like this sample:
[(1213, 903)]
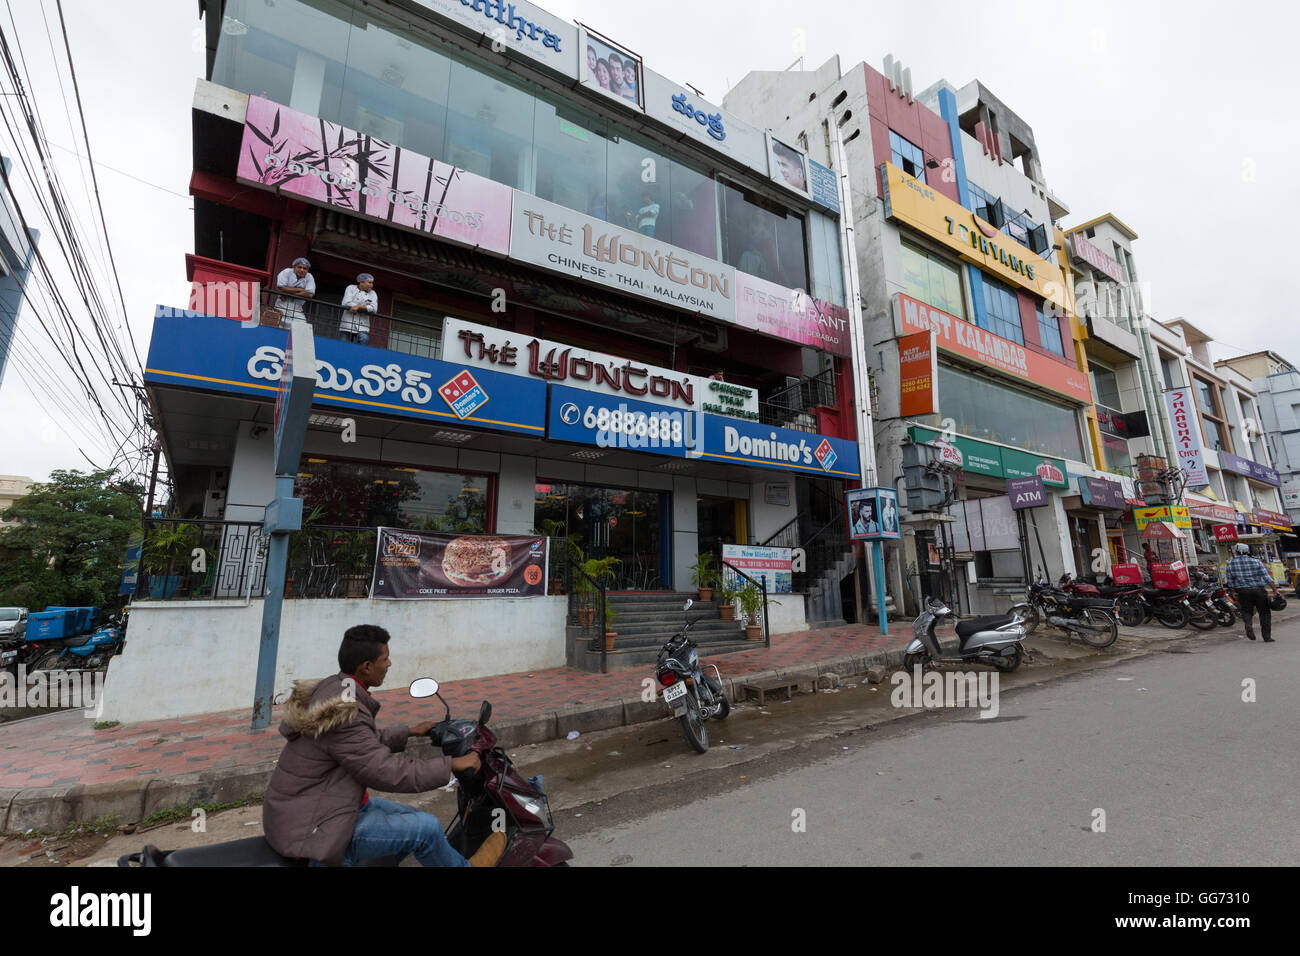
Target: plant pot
[(586, 615), (557, 586), (728, 612), (753, 632), (609, 639), (706, 594)]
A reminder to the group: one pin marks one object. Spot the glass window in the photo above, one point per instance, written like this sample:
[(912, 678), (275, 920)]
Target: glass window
[(1049, 333), (1002, 310), (571, 156), (365, 495), (1172, 373), (906, 156), (1105, 385), (761, 242), (986, 410), (489, 127), (692, 210), (1205, 397), (1213, 436), (827, 265), (933, 280), (414, 329)]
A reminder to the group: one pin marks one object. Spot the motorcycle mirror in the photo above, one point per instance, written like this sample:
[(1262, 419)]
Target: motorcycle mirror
[(423, 687), (690, 602), (484, 714)]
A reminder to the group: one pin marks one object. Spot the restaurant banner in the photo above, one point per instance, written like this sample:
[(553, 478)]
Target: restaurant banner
[(418, 565), (1187, 437), (1251, 469), (774, 564), (959, 337)]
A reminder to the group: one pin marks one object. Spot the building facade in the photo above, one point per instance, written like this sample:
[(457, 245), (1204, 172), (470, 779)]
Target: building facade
[(556, 251), (960, 259), (17, 247)]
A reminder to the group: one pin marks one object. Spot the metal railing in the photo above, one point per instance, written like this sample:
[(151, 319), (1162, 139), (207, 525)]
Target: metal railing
[(587, 603), (762, 586), (194, 559), (792, 406), (332, 321)]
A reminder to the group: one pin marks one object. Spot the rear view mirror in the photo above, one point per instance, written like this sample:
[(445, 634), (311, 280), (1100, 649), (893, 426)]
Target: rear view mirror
[(690, 602), (423, 687), (484, 714)]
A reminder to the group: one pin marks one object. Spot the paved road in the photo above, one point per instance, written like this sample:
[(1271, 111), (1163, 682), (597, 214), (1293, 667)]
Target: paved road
[(1187, 773)]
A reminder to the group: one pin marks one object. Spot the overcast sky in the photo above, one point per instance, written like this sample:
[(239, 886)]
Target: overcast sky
[(1176, 117)]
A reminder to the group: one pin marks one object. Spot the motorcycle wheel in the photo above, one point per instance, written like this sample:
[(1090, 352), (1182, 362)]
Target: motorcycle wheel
[(697, 735), (1006, 665), (1226, 617), (724, 707), (1203, 620), (1132, 614), (922, 658), (44, 662), (1108, 631), (1172, 616)]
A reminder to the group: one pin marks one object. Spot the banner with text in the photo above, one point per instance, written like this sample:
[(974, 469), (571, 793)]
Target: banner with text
[(1187, 437), (418, 565), (774, 564)]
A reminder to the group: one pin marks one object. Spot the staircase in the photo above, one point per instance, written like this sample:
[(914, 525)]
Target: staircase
[(644, 622), (823, 603)]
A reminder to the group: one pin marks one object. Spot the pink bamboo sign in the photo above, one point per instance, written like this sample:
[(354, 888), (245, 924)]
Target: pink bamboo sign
[(330, 165)]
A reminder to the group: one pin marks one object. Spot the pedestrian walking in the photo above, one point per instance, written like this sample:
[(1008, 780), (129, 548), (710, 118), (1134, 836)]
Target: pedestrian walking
[(1250, 580)]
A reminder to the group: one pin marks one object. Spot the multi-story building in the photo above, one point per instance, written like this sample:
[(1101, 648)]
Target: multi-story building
[(957, 246), (17, 246), (1277, 384), (1229, 480), (556, 234), (12, 489)]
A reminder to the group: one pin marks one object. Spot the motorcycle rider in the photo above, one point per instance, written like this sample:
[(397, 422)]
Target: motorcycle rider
[(317, 806)]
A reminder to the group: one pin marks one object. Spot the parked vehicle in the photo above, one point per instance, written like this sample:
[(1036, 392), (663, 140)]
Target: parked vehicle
[(14, 652), (1128, 608), (1226, 605), (995, 640), (13, 623), (694, 695), (495, 794), (89, 651), (1091, 619)]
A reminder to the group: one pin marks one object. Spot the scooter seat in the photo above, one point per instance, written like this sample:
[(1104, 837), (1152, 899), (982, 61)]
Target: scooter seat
[(967, 628), (253, 851)]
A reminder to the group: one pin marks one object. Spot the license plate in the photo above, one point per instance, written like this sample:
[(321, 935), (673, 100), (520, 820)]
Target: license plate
[(674, 691)]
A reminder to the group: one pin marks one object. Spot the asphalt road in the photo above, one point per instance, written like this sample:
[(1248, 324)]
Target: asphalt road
[(1186, 772)]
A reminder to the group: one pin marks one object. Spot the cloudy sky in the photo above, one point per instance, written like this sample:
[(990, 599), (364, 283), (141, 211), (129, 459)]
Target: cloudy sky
[(1172, 116)]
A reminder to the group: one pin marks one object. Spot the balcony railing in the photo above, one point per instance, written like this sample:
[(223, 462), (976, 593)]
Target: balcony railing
[(793, 406), (202, 560), (331, 320)]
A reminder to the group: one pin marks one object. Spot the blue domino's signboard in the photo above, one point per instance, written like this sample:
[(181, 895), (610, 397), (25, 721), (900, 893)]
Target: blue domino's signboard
[(608, 421), (222, 355)]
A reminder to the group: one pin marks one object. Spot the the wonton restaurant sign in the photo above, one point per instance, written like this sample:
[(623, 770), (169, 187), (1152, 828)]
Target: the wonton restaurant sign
[(503, 351), (1187, 437)]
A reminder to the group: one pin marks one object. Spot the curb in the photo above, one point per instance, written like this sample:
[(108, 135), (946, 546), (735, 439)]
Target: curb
[(53, 808)]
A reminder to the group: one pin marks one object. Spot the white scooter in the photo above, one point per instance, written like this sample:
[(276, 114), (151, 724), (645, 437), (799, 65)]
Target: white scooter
[(982, 640)]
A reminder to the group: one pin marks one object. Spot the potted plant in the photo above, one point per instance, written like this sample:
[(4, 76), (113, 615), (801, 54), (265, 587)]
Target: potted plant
[(168, 551), (727, 607), (704, 575), (751, 603), (610, 633), (599, 571)]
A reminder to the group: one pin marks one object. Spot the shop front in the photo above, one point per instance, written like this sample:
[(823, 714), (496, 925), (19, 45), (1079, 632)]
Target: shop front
[(1095, 516), (629, 525)]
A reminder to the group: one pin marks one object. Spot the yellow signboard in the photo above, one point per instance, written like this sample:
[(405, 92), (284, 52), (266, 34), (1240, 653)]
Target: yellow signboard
[(1181, 518), (925, 209), (1144, 516)]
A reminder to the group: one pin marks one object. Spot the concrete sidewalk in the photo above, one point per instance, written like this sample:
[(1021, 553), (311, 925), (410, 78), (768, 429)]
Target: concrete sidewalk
[(56, 769)]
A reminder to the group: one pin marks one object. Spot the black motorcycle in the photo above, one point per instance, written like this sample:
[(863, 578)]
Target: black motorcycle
[(694, 695), (1092, 620)]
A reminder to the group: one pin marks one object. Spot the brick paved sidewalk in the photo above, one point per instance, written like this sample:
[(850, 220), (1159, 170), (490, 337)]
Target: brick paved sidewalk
[(62, 750)]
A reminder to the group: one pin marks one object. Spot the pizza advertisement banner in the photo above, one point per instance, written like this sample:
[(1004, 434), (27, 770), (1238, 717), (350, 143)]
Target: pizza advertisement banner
[(418, 565)]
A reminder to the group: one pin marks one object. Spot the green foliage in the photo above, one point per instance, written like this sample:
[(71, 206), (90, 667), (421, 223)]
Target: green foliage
[(704, 572), (751, 602), (600, 570), (68, 546)]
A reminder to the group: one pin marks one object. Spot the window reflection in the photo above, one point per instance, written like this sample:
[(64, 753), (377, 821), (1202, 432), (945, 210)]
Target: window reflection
[(364, 495), (762, 243), (985, 410)]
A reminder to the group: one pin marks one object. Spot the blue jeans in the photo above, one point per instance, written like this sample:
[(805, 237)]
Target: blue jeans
[(385, 828)]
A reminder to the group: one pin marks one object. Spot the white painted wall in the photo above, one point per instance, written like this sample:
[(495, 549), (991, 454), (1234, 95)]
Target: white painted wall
[(788, 616), (515, 494), (252, 474), (198, 657), (765, 519), (686, 534)]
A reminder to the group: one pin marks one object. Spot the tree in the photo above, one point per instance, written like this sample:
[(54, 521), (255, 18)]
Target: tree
[(70, 540)]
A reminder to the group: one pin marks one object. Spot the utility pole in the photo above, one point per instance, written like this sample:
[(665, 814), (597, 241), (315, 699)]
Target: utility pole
[(156, 448)]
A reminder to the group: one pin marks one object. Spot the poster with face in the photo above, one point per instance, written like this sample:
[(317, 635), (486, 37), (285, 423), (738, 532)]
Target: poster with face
[(611, 69), (872, 513), (787, 166)]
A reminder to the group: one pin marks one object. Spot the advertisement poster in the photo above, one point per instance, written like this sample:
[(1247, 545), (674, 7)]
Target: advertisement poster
[(415, 565), (1187, 437), (787, 166), (610, 69), (771, 563), (918, 368), (872, 514)]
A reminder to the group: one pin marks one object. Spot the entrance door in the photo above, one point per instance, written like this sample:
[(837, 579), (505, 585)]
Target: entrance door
[(721, 521), (626, 524)]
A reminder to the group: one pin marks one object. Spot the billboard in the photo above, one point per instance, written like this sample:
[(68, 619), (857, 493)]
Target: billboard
[(415, 565), (772, 564), (872, 514), (918, 370)]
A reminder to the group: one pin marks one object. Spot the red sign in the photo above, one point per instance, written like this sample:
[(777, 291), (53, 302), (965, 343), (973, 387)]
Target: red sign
[(1211, 512), (1085, 250), (1049, 472), (1225, 532), (1270, 519), (970, 341), (918, 366)]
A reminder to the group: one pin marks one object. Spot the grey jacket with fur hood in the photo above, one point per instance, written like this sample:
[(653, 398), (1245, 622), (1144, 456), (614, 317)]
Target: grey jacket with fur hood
[(334, 753)]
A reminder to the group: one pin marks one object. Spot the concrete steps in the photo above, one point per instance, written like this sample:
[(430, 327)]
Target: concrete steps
[(644, 621)]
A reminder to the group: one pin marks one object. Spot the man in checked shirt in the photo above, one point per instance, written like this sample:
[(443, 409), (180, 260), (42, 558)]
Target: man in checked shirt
[(1249, 577)]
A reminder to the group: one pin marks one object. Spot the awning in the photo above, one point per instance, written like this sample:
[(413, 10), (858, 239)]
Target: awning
[(1160, 529)]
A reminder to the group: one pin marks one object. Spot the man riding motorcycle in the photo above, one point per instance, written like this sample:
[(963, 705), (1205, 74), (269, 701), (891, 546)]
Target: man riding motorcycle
[(317, 806)]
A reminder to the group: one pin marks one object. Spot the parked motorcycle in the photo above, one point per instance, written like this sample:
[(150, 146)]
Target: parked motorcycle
[(15, 651), (493, 796), (89, 651), (1129, 608), (984, 640), (1090, 619), (693, 695)]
